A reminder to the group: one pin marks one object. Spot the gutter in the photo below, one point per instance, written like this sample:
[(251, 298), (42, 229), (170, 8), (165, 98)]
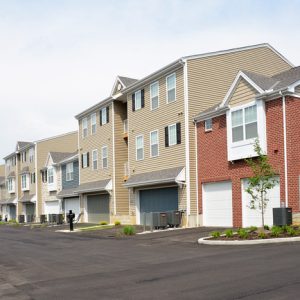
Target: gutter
[(212, 114)]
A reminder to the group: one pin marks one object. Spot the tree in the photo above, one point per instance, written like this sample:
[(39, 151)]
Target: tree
[(261, 182)]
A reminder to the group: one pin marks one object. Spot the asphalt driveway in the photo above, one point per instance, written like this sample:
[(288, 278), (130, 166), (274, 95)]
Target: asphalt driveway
[(42, 264)]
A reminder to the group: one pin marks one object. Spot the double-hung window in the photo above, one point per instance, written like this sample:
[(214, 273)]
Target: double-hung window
[(138, 100), (85, 160), (171, 88), (244, 124), (50, 176), (154, 91), (95, 159), (103, 116), (69, 171), (104, 157), (31, 155), (10, 185), (139, 146), (208, 124), (93, 123), (24, 182), (84, 127), (154, 148), (172, 135)]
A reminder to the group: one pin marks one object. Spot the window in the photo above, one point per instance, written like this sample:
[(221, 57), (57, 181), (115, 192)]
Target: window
[(84, 127), (104, 116), (173, 135), (244, 124), (24, 182), (23, 156), (69, 171), (85, 160), (32, 178), (44, 176), (95, 159), (50, 176), (208, 124), (93, 123), (139, 146), (138, 100), (31, 155), (104, 157), (154, 143), (10, 185), (154, 91), (171, 88)]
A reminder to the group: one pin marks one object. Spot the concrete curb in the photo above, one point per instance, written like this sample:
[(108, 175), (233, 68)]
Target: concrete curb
[(204, 241)]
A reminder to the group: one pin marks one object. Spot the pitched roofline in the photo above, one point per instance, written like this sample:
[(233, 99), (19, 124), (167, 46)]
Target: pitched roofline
[(55, 137)]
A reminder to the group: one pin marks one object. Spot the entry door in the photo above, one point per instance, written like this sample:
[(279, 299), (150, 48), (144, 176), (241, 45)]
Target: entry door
[(12, 212), (98, 208)]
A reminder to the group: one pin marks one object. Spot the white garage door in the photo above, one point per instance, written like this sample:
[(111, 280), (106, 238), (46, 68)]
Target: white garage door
[(217, 204), (72, 204), (252, 217), (51, 207)]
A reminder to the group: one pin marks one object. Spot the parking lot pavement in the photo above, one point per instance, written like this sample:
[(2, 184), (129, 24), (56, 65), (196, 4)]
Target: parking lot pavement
[(37, 264)]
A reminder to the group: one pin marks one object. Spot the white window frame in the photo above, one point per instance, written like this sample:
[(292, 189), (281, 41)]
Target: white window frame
[(136, 149), (151, 144), (52, 176), (70, 171), (167, 90), (11, 185), (26, 186), (104, 157), (206, 123), (95, 159), (169, 135), (31, 155), (84, 165), (151, 96), (84, 127), (104, 115), (93, 119), (135, 98)]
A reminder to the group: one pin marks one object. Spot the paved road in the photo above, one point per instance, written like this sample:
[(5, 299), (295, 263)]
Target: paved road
[(40, 264)]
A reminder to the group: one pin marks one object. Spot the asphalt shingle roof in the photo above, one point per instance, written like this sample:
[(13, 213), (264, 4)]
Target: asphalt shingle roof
[(92, 186), (127, 81), (60, 156)]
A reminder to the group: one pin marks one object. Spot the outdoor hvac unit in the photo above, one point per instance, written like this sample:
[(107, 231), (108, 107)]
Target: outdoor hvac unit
[(59, 219), (21, 218), (282, 216), (52, 218), (174, 218), (43, 219), (159, 220)]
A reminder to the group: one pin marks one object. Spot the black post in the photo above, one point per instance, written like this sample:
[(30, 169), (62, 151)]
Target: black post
[(71, 218)]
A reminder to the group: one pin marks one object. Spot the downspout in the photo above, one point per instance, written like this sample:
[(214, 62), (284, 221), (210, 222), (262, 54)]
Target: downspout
[(197, 186), (285, 151)]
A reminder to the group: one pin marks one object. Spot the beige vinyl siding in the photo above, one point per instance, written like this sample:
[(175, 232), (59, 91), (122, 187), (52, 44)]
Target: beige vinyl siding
[(121, 157), (102, 137), (243, 94), (209, 79), (63, 143), (2, 170), (143, 121)]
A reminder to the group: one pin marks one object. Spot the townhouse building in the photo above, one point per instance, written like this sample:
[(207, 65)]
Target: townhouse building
[(23, 175), (259, 107), (2, 187), (158, 148)]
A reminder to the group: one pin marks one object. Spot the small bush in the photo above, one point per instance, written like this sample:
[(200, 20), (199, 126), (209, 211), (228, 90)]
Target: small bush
[(291, 231), (252, 228), (276, 231), (215, 234), (266, 227), (12, 221), (285, 228), (129, 230), (2, 223), (103, 223), (229, 233), (117, 223), (243, 233), (262, 235)]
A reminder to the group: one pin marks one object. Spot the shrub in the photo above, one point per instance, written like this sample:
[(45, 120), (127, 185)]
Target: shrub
[(262, 235), (129, 230), (215, 234), (12, 221), (229, 233), (285, 228), (266, 227), (291, 231), (103, 223), (252, 228), (2, 223), (276, 231), (117, 223), (243, 233)]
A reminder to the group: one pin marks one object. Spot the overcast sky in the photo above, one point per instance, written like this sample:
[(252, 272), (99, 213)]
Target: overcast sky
[(58, 57)]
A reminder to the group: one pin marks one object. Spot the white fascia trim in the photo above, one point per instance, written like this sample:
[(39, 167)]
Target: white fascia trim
[(180, 178), (234, 85), (239, 49), (55, 137), (109, 187), (114, 157), (117, 81), (187, 140), (291, 88)]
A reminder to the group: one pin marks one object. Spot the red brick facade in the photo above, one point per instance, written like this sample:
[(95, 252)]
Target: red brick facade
[(213, 165)]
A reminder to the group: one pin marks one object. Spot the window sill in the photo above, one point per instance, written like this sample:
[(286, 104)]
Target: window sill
[(208, 130)]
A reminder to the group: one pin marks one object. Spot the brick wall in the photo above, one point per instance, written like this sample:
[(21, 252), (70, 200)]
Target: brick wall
[(213, 165)]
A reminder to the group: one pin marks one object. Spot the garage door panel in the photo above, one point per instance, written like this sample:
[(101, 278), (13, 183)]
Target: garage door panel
[(98, 208), (217, 204), (50, 207), (72, 204), (252, 217)]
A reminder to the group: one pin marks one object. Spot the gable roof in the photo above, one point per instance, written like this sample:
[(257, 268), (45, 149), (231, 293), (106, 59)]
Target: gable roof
[(57, 157), (21, 145), (127, 81)]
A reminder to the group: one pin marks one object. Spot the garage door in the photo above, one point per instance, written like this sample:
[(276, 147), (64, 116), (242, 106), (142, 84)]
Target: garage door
[(98, 208), (72, 204), (252, 217), (51, 207), (158, 200), (217, 204)]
